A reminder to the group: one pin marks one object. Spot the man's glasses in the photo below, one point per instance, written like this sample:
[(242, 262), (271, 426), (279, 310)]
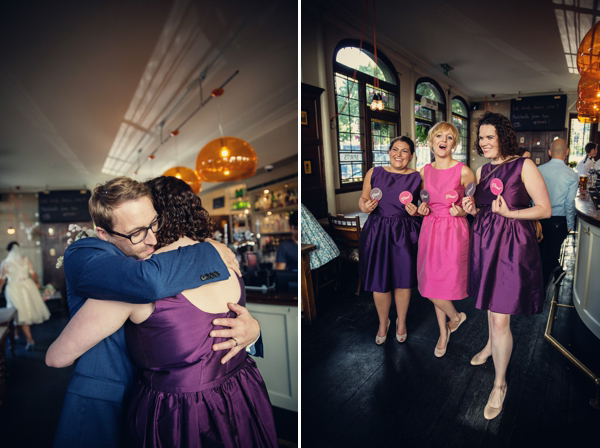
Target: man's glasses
[(140, 235)]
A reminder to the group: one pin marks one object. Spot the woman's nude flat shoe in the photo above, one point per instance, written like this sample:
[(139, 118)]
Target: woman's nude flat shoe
[(478, 360), (463, 317), (491, 412), (439, 353)]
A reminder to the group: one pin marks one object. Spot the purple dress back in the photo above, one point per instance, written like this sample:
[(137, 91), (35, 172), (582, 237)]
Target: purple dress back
[(186, 397), (506, 273)]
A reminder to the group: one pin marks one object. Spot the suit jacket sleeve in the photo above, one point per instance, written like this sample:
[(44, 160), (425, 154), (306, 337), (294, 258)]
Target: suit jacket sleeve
[(98, 269)]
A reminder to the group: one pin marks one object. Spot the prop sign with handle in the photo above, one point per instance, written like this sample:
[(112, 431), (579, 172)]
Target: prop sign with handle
[(405, 197), (496, 186), (470, 190), (451, 196), (376, 194), (424, 196)]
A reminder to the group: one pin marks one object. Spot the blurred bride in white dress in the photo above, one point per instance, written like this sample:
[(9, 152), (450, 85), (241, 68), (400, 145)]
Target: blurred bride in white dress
[(22, 292)]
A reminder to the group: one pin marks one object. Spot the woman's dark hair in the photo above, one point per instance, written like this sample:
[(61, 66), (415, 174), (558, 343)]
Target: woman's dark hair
[(507, 139), (180, 209), (405, 139), (10, 245)]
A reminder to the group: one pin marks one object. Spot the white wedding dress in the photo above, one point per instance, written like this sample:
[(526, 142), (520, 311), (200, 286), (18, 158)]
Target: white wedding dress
[(21, 291)]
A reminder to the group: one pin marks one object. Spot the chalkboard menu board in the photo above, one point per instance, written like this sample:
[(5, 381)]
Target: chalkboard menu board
[(539, 113), (64, 206), (219, 202)]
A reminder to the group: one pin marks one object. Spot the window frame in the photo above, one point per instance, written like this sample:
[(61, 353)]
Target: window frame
[(468, 118), (418, 97), (366, 114)]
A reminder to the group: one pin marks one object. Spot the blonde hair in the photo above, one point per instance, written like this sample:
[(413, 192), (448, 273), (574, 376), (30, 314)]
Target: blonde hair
[(443, 126), (110, 195)]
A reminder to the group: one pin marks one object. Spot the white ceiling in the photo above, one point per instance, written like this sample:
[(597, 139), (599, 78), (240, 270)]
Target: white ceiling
[(496, 48), (84, 86)]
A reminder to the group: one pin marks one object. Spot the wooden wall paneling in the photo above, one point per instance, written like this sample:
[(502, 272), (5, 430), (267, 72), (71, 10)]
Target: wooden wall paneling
[(312, 166)]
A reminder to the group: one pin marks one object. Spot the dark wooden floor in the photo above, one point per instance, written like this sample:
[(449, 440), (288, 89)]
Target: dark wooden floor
[(356, 394)]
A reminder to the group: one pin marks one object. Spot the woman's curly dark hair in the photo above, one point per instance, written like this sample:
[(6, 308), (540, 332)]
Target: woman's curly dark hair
[(507, 138), (180, 209)]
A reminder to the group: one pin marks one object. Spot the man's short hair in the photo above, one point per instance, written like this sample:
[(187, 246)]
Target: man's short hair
[(110, 195), (590, 147)]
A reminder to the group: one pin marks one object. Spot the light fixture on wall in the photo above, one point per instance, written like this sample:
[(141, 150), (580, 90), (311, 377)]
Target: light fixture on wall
[(377, 101)]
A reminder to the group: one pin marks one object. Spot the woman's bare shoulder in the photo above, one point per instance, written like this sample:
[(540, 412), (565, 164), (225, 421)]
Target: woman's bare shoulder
[(181, 242)]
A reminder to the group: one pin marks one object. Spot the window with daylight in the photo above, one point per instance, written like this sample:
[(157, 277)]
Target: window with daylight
[(430, 108), (363, 134), (579, 136), (460, 119)]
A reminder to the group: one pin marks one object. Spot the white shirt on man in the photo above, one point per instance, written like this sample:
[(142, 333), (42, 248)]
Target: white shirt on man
[(586, 164)]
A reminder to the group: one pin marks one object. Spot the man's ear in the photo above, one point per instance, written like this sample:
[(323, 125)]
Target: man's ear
[(567, 151), (102, 234), (550, 153)]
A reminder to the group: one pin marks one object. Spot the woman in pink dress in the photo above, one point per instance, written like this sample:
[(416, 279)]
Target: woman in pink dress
[(442, 259)]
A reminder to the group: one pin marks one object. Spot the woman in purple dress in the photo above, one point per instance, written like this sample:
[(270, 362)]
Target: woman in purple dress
[(506, 272), (187, 395), (388, 241)]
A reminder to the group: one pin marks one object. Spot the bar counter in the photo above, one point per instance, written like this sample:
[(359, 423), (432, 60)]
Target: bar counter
[(277, 313), (272, 297), (586, 287)]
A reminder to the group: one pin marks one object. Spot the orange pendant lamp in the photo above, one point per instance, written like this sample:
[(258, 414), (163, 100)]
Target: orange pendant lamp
[(225, 159), (588, 54), (587, 119), (588, 90), (186, 174)]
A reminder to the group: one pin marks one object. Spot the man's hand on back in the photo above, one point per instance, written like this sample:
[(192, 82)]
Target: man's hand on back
[(227, 256), (243, 331)]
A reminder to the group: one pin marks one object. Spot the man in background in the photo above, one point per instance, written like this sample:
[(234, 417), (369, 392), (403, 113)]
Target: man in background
[(287, 253), (588, 162), (561, 182)]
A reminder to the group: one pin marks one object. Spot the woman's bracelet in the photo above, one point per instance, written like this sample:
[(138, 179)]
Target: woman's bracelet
[(516, 216)]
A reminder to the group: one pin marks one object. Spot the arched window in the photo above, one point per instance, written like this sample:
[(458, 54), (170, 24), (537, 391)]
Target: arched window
[(430, 108), (363, 134), (460, 119)]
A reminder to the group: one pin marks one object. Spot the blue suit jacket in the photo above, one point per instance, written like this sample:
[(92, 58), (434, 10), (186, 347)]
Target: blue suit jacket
[(93, 413)]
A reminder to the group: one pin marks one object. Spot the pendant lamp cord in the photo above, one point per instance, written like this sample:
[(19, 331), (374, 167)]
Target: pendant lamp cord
[(362, 35)]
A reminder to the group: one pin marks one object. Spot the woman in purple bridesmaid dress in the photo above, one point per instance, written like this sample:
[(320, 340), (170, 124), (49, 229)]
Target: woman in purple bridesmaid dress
[(187, 397), (388, 241), (506, 273)]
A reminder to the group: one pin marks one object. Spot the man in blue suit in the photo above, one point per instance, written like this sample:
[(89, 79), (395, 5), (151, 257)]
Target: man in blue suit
[(107, 267)]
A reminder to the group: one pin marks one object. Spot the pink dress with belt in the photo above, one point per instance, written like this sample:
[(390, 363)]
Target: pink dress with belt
[(443, 255)]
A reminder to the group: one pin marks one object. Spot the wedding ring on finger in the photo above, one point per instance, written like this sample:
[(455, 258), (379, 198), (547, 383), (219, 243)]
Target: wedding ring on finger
[(236, 342)]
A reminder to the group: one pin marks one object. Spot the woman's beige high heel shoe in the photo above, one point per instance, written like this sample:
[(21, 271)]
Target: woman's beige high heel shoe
[(400, 337), (381, 340)]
